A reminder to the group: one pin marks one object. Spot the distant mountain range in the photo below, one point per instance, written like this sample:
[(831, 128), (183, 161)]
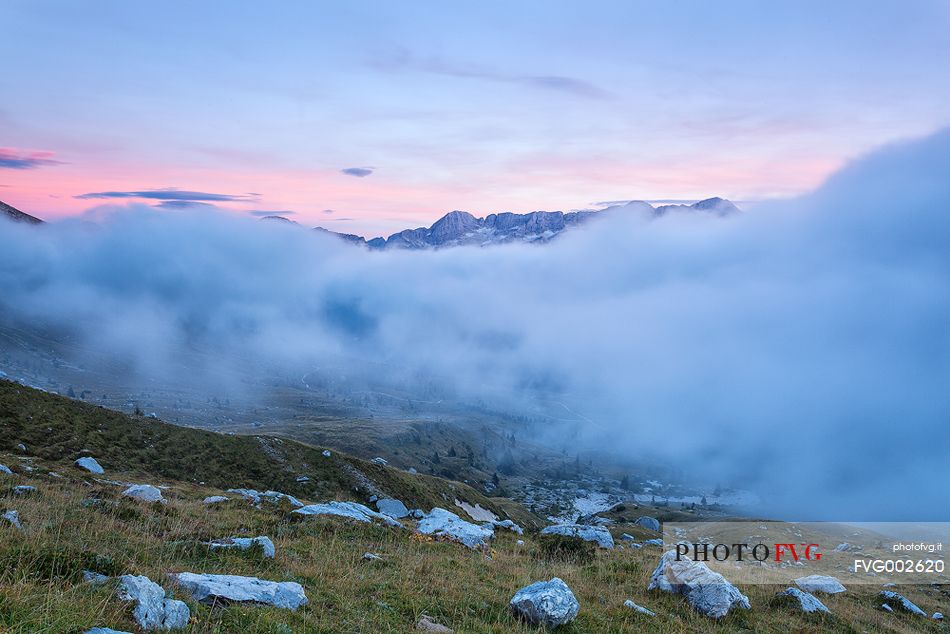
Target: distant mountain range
[(6, 211), (462, 228)]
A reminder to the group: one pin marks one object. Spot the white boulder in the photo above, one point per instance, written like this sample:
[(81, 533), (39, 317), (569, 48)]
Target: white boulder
[(820, 583), (5, 469), (23, 489), (215, 499), (13, 517), (649, 522), (937, 616), (326, 453), (90, 464), (104, 630), (351, 510), (597, 534), (152, 611), (144, 492), (234, 589), (900, 602), (392, 507), (706, 591), (441, 523), (806, 601), (509, 525), (547, 603), (246, 543), (653, 542)]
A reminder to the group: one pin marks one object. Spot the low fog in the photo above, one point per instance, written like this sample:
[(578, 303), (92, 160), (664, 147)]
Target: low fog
[(801, 349)]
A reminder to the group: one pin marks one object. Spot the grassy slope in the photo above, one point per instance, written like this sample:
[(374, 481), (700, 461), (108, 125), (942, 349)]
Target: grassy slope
[(55, 428), (40, 568)]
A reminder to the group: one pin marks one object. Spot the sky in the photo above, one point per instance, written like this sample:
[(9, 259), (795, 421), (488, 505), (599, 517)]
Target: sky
[(374, 117)]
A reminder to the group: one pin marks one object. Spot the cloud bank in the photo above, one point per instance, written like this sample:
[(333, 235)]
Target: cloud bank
[(802, 349), (12, 158)]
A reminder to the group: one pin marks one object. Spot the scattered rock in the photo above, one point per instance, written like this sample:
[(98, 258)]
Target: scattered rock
[(820, 583), (234, 589), (442, 523), (371, 557), (649, 522), (94, 578), (653, 542), (246, 543), (627, 537), (351, 510), (418, 514), (215, 499), (520, 542), (90, 465), (14, 518), (426, 624), (144, 492), (508, 524), (23, 489), (886, 607), (303, 478), (380, 461), (21, 447), (326, 453), (393, 508), (806, 601), (152, 609), (5, 469), (638, 608), (706, 591), (255, 497), (845, 547), (548, 603), (104, 630), (899, 602), (937, 616), (411, 471), (597, 534)]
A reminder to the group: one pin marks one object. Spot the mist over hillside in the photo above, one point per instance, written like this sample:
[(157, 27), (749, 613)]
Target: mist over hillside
[(801, 349)]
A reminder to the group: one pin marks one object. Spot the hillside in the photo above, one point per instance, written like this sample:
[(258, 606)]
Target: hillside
[(73, 521), (58, 430)]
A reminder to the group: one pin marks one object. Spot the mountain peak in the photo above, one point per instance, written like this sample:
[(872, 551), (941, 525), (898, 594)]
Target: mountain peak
[(14, 214)]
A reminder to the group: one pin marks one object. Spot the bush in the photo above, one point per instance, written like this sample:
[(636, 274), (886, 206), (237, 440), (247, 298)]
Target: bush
[(566, 549)]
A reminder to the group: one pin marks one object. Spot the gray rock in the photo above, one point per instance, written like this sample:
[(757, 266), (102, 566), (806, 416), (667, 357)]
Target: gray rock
[(234, 589), (393, 508), (380, 461), (508, 524), (649, 522), (350, 510), (820, 583), (806, 601), (886, 607), (411, 471), (371, 557), (597, 534), (215, 499), (5, 469), (426, 624), (937, 616), (548, 603), (104, 630), (638, 608), (152, 611), (21, 447), (417, 514), (442, 523), (94, 578), (326, 453), (520, 542), (90, 465), (144, 492), (303, 478), (274, 497), (246, 543), (653, 542), (13, 517), (899, 602), (706, 591), (23, 489), (627, 537)]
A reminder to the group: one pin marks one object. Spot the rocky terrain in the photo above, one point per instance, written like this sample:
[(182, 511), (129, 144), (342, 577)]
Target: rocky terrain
[(113, 523), (14, 214)]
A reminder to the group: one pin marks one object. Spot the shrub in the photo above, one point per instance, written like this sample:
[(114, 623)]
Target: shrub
[(566, 549)]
